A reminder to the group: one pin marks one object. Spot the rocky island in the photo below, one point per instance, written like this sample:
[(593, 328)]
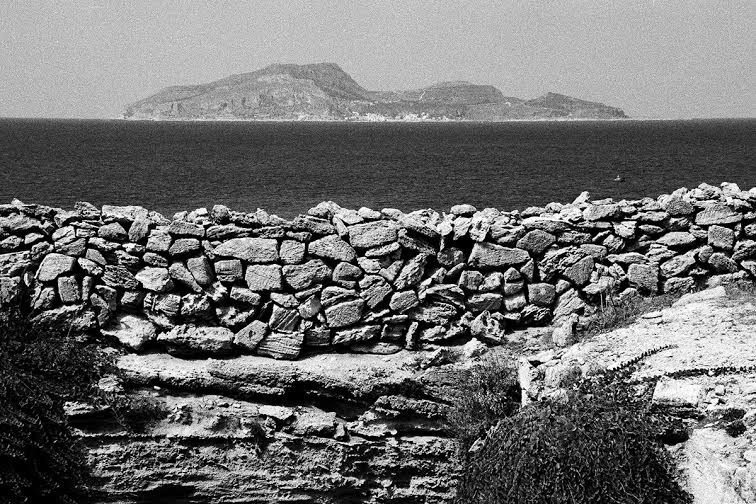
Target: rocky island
[(324, 91)]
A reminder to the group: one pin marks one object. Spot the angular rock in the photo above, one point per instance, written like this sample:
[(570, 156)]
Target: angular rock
[(251, 335), (55, 265), (722, 264), (580, 272), (283, 319), (374, 290), (541, 294), (119, 276), (191, 340), (446, 293), (254, 250), (310, 307), (490, 256), (677, 239), (344, 314), (132, 331), (159, 241), (718, 213), (302, 276), (261, 278), (515, 302), (487, 301), (403, 301), (356, 334), (411, 273), (373, 234), (487, 329), (184, 246), (183, 276), (721, 237), (677, 266), (155, 279), (113, 232), (68, 290), (332, 247), (292, 251), (433, 313), (346, 271), (644, 277), (184, 228), (201, 269), (229, 270), (281, 345), (536, 241)]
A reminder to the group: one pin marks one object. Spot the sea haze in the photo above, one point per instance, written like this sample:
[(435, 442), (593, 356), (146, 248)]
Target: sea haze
[(287, 167)]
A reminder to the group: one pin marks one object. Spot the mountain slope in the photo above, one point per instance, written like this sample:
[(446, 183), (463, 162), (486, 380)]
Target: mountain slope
[(323, 91)]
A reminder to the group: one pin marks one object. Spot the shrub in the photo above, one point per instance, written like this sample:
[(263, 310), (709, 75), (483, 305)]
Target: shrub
[(486, 393), (40, 368), (601, 446)]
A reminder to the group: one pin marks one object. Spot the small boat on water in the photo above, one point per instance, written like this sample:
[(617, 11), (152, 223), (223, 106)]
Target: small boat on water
[(619, 179)]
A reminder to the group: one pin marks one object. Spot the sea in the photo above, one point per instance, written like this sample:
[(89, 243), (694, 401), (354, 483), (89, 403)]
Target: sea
[(288, 167)]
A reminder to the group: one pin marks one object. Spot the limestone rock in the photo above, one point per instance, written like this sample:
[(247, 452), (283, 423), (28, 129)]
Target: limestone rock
[(229, 270), (292, 251), (251, 335), (403, 301), (281, 345), (155, 279), (55, 265), (536, 241), (302, 276), (113, 232), (677, 239), (677, 266), (261, 278), (412, 272), (541, 294), (487, 329), (201, 269), (374, 290), (183, 276), (373, 234), (192, 340), (718, 214), (253, 250), (644, 277), (491, 256), (132, 331), (332, 247), (119, 276), (580, 272), (356, 334), (344, 314), (184, 247), (433, 313), (485, 301), (69, 291), (721, 237)]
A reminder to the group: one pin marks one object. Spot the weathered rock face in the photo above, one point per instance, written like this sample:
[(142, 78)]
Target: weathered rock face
[(368, 429)]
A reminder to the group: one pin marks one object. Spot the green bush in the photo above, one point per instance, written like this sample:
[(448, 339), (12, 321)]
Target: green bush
[(41, 368), (601, 446), (485, 393)]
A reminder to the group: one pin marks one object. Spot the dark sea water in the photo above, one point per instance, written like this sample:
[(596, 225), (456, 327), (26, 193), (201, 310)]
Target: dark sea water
[(286, 168)]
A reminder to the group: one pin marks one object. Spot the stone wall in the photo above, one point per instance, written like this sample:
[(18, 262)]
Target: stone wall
[(221, 282)]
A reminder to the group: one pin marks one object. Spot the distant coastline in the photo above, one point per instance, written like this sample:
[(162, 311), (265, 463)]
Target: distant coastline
[(325, 92)]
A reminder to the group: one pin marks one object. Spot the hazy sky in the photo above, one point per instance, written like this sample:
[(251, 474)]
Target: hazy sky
[(653, 58)]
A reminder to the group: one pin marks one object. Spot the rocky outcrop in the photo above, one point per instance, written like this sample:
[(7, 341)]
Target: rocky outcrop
[(323, 91)]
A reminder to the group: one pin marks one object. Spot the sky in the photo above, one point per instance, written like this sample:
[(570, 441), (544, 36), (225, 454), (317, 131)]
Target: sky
[(652, 58)]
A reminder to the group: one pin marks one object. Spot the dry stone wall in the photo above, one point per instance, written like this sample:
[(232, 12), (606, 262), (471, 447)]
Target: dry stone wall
[(220, 282)]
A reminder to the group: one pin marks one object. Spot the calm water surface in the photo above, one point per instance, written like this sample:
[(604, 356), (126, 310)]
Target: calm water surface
[(288, 167)]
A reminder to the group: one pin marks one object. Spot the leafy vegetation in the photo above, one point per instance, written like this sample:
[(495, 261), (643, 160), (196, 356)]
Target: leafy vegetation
[(602, 445), (41, 368), (486, 393)]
